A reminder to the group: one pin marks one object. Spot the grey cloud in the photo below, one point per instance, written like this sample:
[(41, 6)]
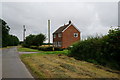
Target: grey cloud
[(89, 18)]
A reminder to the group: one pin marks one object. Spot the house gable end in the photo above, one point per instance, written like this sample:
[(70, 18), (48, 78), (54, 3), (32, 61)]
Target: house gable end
[(69, 26)]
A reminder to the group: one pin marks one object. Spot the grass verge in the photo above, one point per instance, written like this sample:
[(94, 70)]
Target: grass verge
[(22, 49), (54, 64)]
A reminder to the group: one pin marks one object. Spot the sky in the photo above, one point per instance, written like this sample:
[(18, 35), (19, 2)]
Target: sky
[(91, 18)]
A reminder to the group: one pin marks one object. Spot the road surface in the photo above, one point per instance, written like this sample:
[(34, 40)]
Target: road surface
[(12, 66)]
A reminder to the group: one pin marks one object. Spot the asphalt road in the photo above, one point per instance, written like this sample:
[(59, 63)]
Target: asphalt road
[(12, 66)]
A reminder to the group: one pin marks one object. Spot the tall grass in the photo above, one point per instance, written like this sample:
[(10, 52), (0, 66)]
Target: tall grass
[(103, 50)]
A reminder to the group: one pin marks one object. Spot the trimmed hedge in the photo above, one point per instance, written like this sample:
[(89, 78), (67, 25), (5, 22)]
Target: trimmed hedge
[(50, 49), (44, 48), (99, 50)]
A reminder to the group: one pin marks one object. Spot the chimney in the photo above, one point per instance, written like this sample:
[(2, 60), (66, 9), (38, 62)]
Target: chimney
[(69, 21)]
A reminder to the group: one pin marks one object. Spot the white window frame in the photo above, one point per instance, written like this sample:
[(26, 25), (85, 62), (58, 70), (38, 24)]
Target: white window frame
[(75, 34), (59, 35), (55, 44), (59, 44), (54, 35)]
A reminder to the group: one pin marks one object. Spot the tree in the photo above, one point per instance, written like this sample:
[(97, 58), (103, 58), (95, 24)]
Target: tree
[(29, 41), (39, 39), (5, 33), (7, 39), (34, 40), (13, 40)]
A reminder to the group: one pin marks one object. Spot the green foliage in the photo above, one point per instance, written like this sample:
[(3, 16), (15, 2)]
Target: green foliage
[(13, 41), (47, 44), (39, 39), (92, 61), (55, 52), (104, 50), (50, 49), (34, 40), (5, 33), (28, 41), (7, 39)]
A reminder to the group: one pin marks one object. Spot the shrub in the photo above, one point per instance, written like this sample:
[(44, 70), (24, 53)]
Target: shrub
[(34, 47), (58, 49), (34, 40), (104, 50), (50, 49), (46, 48)]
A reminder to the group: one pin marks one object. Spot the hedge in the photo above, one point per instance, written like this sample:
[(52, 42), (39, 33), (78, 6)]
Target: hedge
[(103, 50)]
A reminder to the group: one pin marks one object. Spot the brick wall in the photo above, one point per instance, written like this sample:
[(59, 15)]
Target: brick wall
[(68, 37), (57, 39)]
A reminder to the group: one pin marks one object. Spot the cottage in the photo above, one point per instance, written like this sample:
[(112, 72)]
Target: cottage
[(66, 35)]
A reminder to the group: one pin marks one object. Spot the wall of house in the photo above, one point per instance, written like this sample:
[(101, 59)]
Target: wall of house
[(68, 36), (57, 39)]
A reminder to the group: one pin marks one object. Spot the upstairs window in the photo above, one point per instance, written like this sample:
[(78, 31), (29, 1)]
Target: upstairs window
[(59, 35), (54, 35), (75, 34)]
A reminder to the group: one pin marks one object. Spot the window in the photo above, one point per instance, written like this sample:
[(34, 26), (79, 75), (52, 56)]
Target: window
[(54, 35), (59, 44), (75, 34), (55, 44), (59, 35)]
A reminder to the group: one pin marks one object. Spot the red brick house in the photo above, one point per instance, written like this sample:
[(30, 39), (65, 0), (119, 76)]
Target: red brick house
[(66, 35)]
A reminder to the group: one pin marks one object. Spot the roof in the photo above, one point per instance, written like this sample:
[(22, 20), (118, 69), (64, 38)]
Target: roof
[(59, 30), (63, 28)]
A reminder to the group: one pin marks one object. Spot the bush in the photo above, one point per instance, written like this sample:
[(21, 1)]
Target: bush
[(34, 40), (104, 50), (46, 48), (58, 49), (34, 47), (50, 49)]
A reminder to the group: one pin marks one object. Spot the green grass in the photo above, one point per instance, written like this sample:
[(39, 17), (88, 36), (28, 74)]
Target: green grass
[(65, 52), (55, 52), (32, 66), (21, 49), (45, 65)]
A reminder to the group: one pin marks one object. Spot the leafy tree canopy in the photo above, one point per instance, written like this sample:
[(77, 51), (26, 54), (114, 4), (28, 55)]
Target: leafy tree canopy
[(7, 39), (34, 40)]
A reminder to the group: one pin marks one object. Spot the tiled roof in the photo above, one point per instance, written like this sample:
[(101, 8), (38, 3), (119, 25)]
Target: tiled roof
[(59, 30)]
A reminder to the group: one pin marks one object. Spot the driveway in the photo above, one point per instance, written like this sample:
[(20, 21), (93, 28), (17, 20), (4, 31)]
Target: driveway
[(12, 66)]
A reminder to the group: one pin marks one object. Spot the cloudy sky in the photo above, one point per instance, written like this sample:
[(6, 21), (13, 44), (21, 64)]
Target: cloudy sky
[(91, 18)]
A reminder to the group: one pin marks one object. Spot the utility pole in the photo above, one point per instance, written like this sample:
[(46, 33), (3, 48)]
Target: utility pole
[(49, 32), (24, 32)]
